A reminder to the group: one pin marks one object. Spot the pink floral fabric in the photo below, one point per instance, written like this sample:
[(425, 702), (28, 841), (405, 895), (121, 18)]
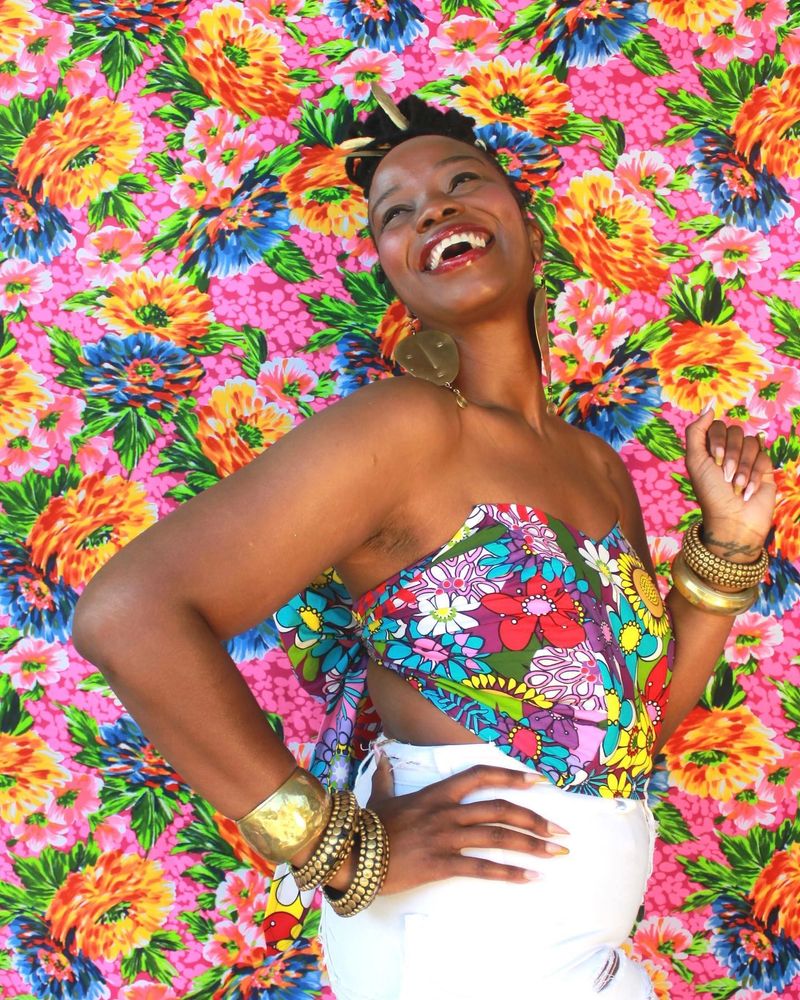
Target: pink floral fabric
[(185, 275)]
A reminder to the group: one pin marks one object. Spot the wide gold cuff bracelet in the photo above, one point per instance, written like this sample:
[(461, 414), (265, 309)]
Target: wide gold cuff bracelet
[(289, 820), (706, 597)]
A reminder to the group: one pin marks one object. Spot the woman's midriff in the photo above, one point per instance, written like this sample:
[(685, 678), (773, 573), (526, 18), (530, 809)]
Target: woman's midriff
[(407, 716)]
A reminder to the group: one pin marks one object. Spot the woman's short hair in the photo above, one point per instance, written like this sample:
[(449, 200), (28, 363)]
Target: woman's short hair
[(423, 119)]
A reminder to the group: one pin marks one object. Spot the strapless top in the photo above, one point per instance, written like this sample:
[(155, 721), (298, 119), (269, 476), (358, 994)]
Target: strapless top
[(552, 645)]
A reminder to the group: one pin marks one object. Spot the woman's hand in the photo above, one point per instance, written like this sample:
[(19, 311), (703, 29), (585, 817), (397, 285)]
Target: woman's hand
[(732, 477), (428, 829)]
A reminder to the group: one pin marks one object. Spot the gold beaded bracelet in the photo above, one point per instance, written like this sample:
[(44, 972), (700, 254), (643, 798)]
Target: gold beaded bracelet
[(371, 868), (699, 593), (335, 845), (289, 820), (719, 571)]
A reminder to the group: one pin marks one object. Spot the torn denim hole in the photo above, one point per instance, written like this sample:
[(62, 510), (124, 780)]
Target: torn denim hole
[(607, 973)]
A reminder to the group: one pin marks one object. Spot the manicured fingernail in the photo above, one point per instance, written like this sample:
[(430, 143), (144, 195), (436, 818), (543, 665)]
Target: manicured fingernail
[(748, 492), (738, 485), (531, 876), (728, 471), (533, 778), (554, 829), (719, 454), (555, 849)]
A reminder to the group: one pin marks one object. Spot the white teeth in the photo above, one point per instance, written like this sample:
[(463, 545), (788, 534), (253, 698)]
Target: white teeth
[(474, 239)]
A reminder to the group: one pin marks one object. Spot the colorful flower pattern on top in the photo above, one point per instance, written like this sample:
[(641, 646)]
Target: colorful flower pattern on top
[(516, 629)]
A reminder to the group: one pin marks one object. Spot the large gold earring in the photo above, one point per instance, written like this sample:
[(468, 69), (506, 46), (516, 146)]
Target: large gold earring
[(542, 334), (430, 354)]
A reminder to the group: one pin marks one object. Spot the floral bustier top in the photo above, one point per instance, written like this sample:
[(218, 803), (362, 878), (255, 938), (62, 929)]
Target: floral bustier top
[(554, 646)]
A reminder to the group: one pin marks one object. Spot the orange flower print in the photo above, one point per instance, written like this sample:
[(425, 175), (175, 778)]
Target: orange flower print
[(787, 510), (239, 63), (237, 424), (17, 20), (81, 529), (80, 152), (765, 124), (229, 832), (112, 906), (321, 196), (700, 16), (392, 328), (609, 233), (709, 364), (516, 93), (29, 774), (718, 752), (157, 304), (21, 396), (776, 892)]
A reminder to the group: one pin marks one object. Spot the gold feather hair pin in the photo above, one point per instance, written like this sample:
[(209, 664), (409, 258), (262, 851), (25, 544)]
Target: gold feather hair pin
[(389, 107)]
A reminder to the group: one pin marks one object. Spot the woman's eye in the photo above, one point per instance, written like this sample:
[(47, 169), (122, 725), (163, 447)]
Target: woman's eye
[(464, 176), (391, 213)]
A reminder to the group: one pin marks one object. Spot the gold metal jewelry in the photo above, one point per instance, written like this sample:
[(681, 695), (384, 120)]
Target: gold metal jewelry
[(701, 595), (335, 845), (389, 108), (373, 863), (288, 820), (716, 570), (542, 333), (431, 355)]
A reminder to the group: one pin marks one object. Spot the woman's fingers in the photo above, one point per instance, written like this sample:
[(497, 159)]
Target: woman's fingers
[(503, 811), (466, 867), (503, 838), (458, 786), (762, 471)]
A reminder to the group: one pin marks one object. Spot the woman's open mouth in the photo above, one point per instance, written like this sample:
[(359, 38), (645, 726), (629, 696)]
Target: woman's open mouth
[(456, 249)]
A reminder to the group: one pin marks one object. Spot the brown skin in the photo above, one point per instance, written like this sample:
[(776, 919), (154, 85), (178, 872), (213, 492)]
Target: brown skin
[(332, 493)]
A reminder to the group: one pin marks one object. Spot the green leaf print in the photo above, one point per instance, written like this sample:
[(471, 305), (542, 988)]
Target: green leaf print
[(785, 319), (672, 827), (661, 439), (646, 54), (14, 719), (526, 22), (151, 959), (790, 702), (151, 813), (123, 54), (289, 262)]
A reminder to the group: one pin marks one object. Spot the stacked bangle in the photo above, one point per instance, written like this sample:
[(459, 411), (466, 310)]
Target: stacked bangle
[(698, 592), (335, 845), (716, 570), (371, 868)]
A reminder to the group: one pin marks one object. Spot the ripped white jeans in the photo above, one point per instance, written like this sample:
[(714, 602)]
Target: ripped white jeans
[(555, 938)]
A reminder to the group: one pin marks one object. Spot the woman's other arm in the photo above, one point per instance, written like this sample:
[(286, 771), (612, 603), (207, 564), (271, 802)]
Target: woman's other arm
[(155, 618), (733, 528)]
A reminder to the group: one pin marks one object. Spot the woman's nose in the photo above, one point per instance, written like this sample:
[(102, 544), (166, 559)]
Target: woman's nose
[(436, 210)]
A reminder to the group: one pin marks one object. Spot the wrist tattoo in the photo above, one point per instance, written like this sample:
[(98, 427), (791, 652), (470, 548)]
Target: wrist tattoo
[(731, 548)]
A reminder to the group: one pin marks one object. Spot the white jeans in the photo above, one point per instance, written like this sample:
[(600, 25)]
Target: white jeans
[(555, 938)]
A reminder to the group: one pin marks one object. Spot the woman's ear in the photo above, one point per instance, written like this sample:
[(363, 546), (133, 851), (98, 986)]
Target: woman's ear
[(535, 239)]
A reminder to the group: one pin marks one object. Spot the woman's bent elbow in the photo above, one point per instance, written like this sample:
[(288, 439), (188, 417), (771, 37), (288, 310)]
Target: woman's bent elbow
[(101, 619)]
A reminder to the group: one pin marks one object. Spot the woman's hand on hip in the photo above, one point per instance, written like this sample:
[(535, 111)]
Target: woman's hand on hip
[(429, 829)]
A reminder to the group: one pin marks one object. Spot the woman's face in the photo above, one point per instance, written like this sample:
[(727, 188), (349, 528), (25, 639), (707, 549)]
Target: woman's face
[(450, 234)]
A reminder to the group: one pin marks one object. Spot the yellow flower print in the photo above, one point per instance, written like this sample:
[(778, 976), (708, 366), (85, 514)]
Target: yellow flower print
[(766, 122), (709, 364), (609, 233), (700, 16), (527, 98), (29, 772), (321, 196), (21, 395), (618, 786), (717, 752), (80, 152), (643, 594), (158, 304), (112, 906), (81, 529)]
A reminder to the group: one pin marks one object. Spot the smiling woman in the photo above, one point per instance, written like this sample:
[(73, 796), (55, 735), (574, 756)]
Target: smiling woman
[(510, 655)]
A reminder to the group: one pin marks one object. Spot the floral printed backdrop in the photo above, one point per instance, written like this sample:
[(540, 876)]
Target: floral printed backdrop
[(185, 274)]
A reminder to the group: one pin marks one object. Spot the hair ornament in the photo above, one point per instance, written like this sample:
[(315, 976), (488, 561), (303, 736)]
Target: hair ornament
[(389, 108)]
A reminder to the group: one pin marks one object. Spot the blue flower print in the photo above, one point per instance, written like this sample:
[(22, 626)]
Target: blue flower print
[(35, 954), (377, 24), (757, 956), (583, 35)]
